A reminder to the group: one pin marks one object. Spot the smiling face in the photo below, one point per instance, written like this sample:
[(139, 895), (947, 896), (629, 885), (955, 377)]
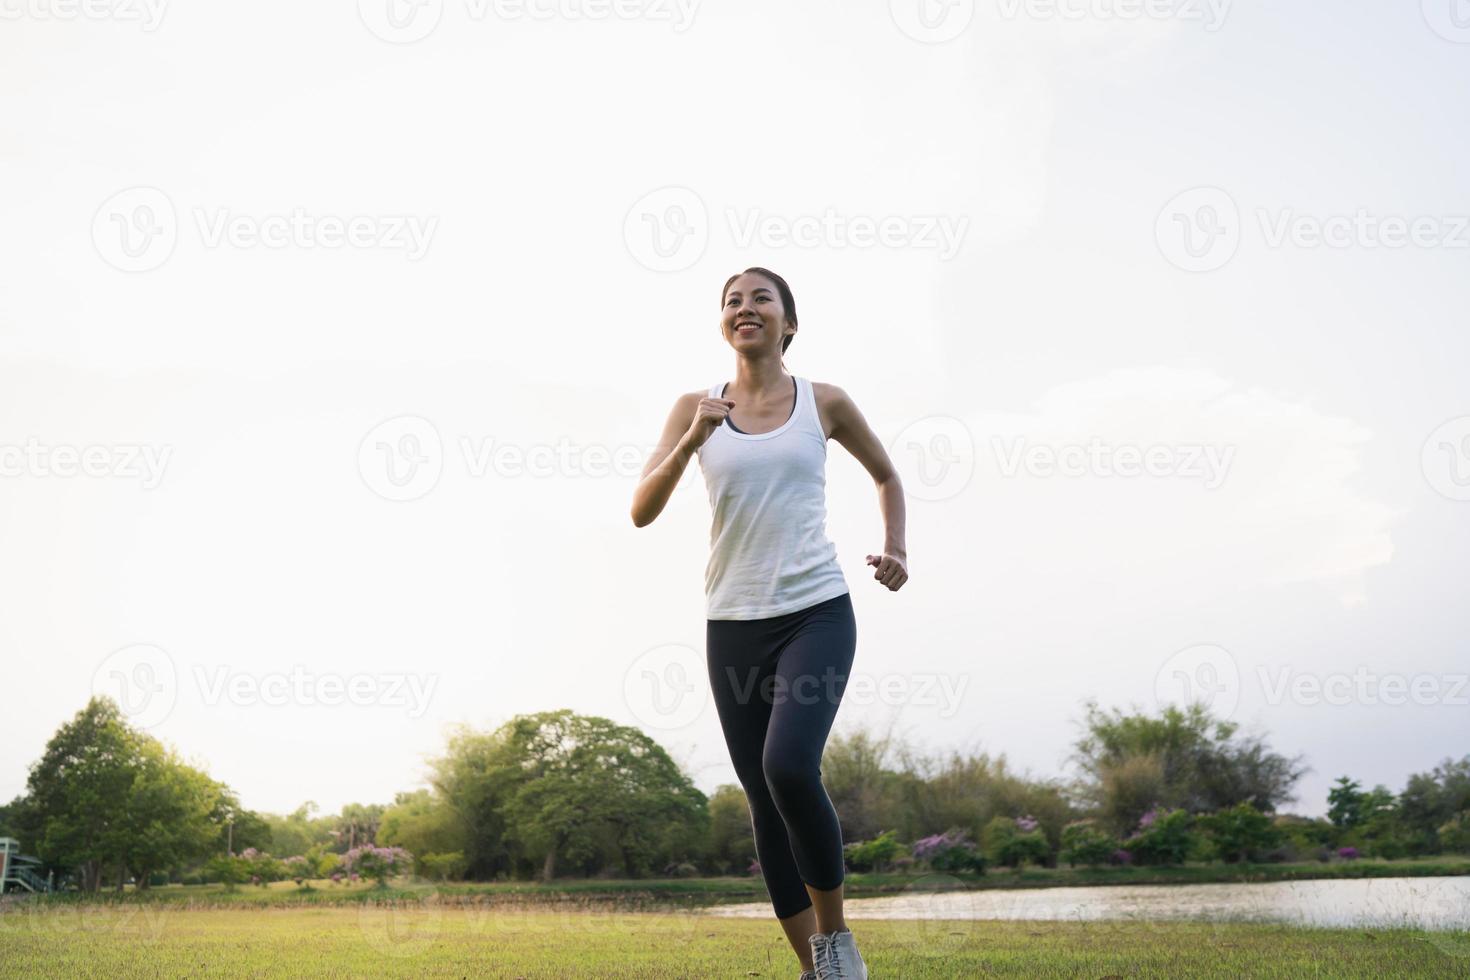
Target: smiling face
[(754, 317)]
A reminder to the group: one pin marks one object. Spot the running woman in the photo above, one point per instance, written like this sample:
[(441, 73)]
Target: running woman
[(780, 633)]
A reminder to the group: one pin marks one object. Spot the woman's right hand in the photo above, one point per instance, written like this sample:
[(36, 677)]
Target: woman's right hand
[(708, 417)]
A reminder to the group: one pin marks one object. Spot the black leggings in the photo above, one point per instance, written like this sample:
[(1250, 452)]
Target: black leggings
[(777, 684)]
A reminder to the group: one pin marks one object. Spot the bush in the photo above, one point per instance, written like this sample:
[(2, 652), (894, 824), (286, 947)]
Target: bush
[(229, 871), (298, 869), (260, 867), (1084, 843), (1163, 837), (443, 867), (1454, 836), (377, 863), (951, 851), (872, 855), (1241, 832), (1011, 843)]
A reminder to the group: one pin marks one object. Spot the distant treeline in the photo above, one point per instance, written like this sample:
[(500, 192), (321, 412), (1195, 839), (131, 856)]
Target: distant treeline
[(556, 793)]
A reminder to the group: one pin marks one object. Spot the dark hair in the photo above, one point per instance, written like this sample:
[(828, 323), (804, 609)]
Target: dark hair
[(787, 300)]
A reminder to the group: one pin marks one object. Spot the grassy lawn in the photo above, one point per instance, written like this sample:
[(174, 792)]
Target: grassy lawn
[(424, 940)]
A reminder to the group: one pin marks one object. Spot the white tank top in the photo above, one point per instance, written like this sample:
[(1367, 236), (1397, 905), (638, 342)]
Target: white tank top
[(769, 553)]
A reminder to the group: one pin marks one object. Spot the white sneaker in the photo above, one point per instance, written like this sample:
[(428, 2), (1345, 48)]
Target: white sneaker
[(807, 975), (836, 957)]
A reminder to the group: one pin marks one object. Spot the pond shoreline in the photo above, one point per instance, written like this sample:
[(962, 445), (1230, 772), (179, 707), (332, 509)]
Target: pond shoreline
[(698, 892)]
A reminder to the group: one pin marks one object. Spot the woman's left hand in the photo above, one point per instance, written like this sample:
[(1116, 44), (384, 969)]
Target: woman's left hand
[(892, 570)]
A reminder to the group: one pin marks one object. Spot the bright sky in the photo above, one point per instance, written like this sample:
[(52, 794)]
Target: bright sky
[(331, 341)]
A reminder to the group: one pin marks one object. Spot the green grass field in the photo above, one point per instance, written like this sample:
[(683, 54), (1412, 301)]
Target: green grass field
[(421, 939)]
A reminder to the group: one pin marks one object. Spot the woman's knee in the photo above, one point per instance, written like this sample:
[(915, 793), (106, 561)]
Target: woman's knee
[(790, 775)]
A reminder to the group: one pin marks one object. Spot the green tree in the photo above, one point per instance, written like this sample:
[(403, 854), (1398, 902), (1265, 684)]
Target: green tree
[(298, 831), (1431, 800), (591, 786), (1196, 762), (168, 816), (78, 792), (731, 837), (1345, 803), (427, 827), (856, 776), (475, 778), (356, 825)]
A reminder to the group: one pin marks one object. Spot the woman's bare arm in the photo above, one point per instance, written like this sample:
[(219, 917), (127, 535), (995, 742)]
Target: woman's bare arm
[(853, 433), (689, 424)]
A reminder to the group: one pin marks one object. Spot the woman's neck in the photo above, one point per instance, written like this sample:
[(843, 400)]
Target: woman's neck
[(761, 379)]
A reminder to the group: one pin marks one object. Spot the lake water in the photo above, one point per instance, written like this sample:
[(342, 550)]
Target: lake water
[(1427, 903)]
